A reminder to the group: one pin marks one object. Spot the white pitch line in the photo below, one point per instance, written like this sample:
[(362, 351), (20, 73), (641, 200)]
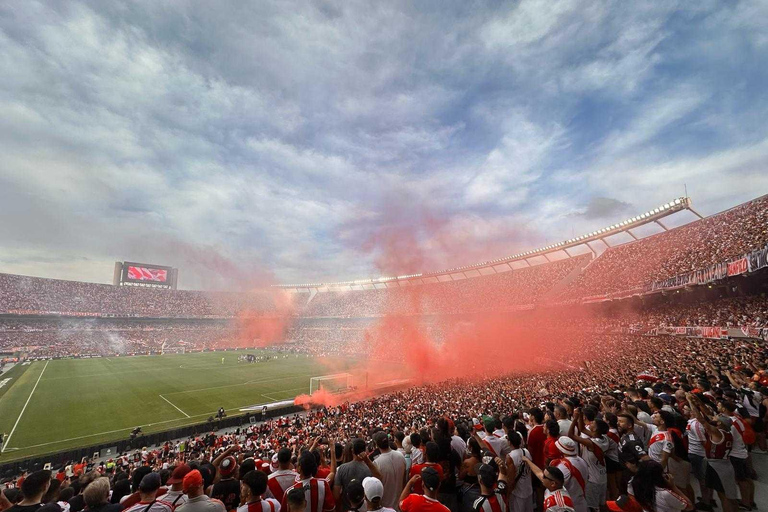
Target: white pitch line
[(126, 429), (8, 439), (182, 412)]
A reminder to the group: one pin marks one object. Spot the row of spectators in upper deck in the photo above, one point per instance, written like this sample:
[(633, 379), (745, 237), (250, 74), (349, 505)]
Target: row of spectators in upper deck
[(505, 290), (691, 247), (32, 294)]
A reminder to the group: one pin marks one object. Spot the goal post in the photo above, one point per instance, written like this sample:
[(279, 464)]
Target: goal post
[(336, 383)]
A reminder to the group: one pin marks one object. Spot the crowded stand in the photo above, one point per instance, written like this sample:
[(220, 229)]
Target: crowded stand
[(34, 295), (688, 248), (76, 337), (503, 291), (638, 423), (590, 407)]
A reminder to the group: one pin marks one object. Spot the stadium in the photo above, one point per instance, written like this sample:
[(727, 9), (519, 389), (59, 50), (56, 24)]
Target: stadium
[(383, 256), (75, 346)]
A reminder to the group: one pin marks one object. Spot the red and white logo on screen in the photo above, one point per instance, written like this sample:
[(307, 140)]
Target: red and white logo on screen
[(147, 274)]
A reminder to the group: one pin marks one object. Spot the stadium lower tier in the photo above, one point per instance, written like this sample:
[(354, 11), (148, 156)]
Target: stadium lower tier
[(558, 387)]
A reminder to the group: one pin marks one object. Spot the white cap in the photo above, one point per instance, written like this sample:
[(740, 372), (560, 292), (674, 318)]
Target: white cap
[(373, 488), (567, 446)]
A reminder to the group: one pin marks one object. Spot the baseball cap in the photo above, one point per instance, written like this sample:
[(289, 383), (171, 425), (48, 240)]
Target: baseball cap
[(178, 474), (192, 479), (624, 503), (429, 478), (373, 488), (228, 465), (355, 492), (150, 482), (631, 452)]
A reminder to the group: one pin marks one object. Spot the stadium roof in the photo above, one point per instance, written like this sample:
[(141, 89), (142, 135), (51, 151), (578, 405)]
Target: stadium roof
[(652, 215)]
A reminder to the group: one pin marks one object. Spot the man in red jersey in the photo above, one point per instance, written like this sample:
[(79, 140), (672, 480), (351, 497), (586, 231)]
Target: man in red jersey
[(536, 438), (427, 502)]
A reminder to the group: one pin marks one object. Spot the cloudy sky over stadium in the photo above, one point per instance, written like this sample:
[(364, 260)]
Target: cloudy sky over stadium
[(307, 141)]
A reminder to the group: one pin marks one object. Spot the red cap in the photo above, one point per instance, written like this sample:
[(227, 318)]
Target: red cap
[(178, 474), (624, 503), (192, 479), (228, 465)]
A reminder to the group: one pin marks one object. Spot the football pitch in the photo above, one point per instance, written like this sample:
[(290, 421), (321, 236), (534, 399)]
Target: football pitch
[(55, 405)]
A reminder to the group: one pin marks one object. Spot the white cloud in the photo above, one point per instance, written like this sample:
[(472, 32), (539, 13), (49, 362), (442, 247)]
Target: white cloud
[(270, 136)]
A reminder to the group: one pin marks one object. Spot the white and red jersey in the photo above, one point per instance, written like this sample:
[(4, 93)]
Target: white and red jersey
[(558, 501), (595, 459), (267, 505), (575, 471), (613, 445), (697, 437), (669, 501), (496, 445), (719, 450), (280, 481), (317, 492), (661, 442), (493, 503), (739, 449)]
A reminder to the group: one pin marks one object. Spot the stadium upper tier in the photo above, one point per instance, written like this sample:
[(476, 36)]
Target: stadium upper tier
[(695, 246)]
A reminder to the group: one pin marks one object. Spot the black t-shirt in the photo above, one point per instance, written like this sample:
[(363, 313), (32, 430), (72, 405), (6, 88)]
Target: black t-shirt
[(26, 508), (228, 491), (76, 503)]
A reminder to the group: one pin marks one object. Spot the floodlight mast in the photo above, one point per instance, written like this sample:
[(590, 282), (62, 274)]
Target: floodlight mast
[(651, 216)]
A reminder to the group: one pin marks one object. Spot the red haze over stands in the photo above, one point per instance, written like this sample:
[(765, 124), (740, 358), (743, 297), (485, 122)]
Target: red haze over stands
[(251, 319)]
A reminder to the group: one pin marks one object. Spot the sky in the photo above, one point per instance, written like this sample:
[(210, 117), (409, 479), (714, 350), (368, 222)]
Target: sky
[(251, 143)]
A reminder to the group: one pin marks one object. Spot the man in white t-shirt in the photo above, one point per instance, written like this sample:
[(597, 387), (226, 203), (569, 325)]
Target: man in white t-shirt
[(519, 475), (594, 443)]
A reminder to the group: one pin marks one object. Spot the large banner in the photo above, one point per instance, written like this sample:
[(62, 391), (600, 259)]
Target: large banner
[(740, 266), (750, 262), (715, 332), (758, 259)]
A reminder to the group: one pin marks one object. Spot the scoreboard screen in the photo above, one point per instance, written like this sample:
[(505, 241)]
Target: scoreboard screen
[(144, 273), (156, 275)]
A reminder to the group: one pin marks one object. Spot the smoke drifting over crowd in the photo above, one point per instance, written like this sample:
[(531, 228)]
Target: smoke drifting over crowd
[(407, 343)]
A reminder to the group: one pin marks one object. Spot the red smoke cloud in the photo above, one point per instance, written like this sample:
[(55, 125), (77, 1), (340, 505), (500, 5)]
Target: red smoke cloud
[(426, 348)]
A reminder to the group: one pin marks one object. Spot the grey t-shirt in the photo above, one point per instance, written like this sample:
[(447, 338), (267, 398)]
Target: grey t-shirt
[(392, 468), (347, 472)]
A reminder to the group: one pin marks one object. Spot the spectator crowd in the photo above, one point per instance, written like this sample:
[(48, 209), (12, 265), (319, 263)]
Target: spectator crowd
[(626, 423)]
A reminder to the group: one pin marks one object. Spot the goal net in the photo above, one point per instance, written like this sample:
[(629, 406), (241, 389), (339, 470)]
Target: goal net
[(336, 383)]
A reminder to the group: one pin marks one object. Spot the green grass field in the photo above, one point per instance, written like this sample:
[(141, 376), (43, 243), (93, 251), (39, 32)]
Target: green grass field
[(68, 403)]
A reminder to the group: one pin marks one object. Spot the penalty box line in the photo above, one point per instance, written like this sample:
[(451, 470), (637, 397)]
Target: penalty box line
[(174, 406), (8, 439)]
